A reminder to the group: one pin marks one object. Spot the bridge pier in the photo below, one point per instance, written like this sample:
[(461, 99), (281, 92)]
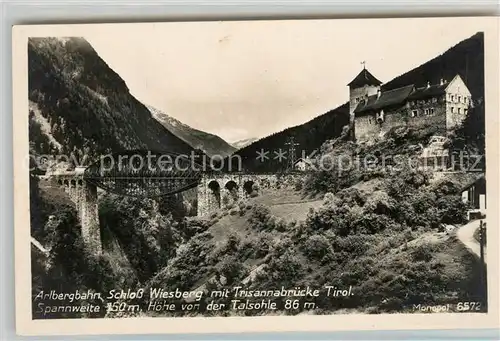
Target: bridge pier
[(91, 230), (84, 196), (202, 200)]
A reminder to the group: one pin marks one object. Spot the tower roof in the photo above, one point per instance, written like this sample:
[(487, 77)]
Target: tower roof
[(364, 78)]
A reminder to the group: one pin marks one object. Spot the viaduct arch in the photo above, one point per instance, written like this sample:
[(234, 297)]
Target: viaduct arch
[(218, 191)]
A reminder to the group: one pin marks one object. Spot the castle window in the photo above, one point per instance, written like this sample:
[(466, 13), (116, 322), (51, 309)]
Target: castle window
[(452, 109), (426, 112), (459, 110), (431, 111), (465, 111), (414, 113), (459, 98)]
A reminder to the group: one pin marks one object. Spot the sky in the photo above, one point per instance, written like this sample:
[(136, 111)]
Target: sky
[(249, 79)]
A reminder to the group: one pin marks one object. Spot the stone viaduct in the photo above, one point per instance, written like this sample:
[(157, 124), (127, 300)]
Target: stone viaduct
[(215, 191)]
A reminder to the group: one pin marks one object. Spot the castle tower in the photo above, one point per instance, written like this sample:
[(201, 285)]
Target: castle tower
[(362, 86)]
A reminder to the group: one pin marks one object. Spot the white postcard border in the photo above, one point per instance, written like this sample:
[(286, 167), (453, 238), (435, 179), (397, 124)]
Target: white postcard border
[(356, 322)]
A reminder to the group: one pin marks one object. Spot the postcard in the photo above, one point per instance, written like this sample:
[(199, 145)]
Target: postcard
[(256, 176)]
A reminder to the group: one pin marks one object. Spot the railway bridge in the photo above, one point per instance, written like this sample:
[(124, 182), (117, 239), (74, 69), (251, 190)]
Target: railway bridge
[(215, 191)]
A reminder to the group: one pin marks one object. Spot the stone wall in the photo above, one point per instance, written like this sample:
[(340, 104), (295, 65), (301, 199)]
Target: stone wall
[(416, 114), (367, 128)]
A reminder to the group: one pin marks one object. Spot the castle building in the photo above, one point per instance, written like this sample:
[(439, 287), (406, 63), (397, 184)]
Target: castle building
[(375, 112)]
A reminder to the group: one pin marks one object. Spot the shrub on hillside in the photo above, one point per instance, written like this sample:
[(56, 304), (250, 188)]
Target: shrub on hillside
[(452, 210), (263, 245), (260, 217), (372, 223), (446, 188), (352, 196), (328, 198), (380, 203), (192, 262), (316, 247), (329, 217), (231, 268), (284, 270)]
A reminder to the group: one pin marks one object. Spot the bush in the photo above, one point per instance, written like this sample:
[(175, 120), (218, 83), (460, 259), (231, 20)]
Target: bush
[(316, 247), (260, 217), (328, 217), (263, 245), (231, 268), (452, 209), (379, 202), (298, 185), (232, 244), (328, 198), (352, 196), (285, 269), (280, 225)]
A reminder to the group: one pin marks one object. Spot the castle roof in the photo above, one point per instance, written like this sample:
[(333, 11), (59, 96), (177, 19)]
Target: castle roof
[(387, 98), (427, 92), (364, 78)]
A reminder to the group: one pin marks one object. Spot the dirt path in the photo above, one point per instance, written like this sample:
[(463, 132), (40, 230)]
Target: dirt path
[(466, 235)]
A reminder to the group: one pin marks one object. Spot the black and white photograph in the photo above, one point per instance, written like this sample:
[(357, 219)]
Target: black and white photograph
[(257, 168)]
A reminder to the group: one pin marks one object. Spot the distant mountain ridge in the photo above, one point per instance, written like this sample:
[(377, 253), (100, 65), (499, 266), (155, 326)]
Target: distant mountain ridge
[(211, 144), (465, 58), (243, 143)]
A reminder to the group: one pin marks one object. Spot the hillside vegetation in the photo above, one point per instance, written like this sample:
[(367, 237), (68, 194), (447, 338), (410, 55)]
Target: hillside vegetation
[(386, 240)]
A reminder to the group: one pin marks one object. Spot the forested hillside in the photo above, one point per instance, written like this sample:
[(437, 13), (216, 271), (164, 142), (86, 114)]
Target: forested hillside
[(466, 59), (79, 104)]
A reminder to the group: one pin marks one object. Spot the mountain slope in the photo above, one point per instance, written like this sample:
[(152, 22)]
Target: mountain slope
[(209, 143), (465, 58), (84, 105)]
